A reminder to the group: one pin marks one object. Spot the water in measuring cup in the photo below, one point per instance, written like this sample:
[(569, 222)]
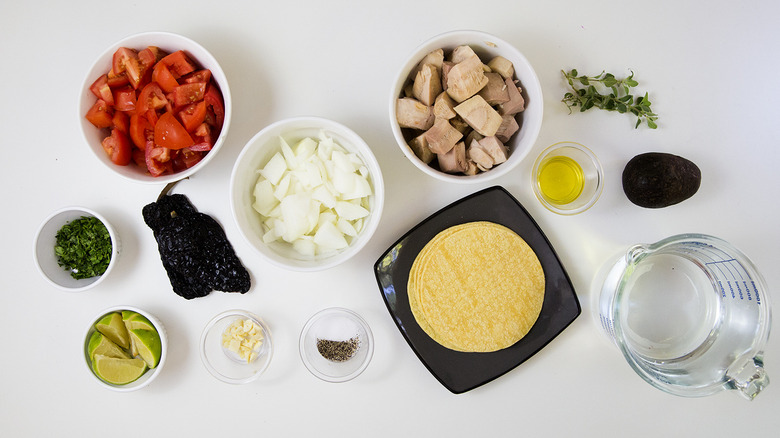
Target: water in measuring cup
[(670, 310), (690, 314)]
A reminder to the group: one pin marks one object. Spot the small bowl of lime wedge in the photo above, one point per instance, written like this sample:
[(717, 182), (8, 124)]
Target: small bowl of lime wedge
[(125, 348)]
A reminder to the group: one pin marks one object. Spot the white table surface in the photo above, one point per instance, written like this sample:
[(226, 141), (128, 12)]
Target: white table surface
[(710, 68)]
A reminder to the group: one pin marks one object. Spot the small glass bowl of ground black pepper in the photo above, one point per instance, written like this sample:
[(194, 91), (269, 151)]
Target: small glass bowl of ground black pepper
[(336, 345), (75, 248)]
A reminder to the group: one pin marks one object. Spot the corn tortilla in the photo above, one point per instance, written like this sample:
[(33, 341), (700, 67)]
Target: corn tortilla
[(476, 287)]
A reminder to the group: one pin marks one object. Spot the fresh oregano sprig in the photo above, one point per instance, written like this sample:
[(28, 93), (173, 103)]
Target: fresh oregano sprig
[(607, 92)]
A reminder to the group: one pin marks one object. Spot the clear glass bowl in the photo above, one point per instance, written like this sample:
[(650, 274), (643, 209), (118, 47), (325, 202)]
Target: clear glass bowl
[(568, 155), (340, 333), (226, 365)]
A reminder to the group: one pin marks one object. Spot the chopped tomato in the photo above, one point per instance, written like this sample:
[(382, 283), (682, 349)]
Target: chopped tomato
[(141, 131), (139, 158), (215, 105), (125, 99), (102, 90), (189, 93), (152, 116), (121, 121), (187, 158), (178, 63), (170, 134), (158, 160), (162, 111), (193, 115), (118, 147), (101, 114), (162, 75), (198, 76), (151, 56), (203, 139), (151, 97), (126, 61), (116, 80)]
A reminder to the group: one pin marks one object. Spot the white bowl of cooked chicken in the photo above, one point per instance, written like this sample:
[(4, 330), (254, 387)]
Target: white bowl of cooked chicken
[(466, 107)]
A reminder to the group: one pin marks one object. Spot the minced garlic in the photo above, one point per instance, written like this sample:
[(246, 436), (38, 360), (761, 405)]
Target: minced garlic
[(243, 337)]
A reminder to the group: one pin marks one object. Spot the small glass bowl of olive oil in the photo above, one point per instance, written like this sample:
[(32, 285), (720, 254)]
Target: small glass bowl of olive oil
[(567, 178)]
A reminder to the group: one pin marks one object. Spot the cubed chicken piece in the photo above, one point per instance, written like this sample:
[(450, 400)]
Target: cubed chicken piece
[(419, 145), (473, 135), (462, 53), (409, 90), (411, 113), (495, 92), (502, 66), (454, 161), (493, 146), (465, 79), (472, 168), (508, 128), (479, 115), (442, 136), (516, 102), (479, 156), (446, 66), (435, 58), (427, 84), (458, 123), (443, 106)]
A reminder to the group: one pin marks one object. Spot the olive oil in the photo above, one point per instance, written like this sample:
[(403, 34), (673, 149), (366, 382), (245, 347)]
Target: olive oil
[(560, 180)]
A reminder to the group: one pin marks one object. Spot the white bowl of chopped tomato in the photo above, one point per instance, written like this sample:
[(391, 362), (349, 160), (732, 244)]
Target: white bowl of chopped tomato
[(155, 107)]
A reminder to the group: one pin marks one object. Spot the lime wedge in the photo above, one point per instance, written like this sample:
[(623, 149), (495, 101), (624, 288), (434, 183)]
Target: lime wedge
[(135, 320), (114, 329), (148, 344), (118, 371), (99, 344)]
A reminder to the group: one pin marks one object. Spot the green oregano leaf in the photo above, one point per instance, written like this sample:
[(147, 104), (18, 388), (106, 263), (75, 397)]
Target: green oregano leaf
[(607, 92)]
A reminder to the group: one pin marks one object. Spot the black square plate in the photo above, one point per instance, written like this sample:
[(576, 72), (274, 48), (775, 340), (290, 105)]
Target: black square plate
[(457, 371)]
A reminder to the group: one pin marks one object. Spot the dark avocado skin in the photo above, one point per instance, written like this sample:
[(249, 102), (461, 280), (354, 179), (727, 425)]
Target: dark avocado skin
[(657, 179)]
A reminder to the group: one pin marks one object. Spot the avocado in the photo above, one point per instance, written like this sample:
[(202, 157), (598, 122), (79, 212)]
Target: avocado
[(657, 179)]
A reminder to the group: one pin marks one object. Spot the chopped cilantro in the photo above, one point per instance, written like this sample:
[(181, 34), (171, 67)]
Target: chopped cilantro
[(83, 247)]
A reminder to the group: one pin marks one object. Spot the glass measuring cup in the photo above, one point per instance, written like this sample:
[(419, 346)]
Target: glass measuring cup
[(690, 314)]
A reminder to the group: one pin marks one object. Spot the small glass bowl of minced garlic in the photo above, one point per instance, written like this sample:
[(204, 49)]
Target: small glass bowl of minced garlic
[(336, 345), (236, 346)]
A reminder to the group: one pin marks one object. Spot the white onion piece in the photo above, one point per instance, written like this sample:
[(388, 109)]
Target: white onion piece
[(314, 196)]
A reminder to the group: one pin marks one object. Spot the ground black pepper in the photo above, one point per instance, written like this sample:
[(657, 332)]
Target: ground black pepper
[(338, 351)]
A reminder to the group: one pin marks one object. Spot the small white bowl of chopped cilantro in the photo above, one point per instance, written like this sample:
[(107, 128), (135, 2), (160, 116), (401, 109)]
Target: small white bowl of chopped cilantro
[(75, 248)]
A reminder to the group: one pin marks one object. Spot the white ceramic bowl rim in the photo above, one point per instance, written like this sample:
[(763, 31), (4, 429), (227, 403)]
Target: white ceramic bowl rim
[(532, 116), (288, 126), (151, 374), (170, 42), (46, 260)]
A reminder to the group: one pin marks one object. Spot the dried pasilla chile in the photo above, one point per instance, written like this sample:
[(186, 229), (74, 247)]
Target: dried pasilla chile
[(194, 249)]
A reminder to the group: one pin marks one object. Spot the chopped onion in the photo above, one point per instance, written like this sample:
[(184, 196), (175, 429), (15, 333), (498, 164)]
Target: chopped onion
[(313, 195)]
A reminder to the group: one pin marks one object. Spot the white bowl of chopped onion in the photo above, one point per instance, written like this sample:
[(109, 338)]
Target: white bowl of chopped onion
[(307, 193)]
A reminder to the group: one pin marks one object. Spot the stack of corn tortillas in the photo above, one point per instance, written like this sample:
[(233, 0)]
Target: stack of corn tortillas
[(476, 287)]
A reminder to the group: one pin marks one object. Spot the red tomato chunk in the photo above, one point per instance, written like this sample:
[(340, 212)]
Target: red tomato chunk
[(159, 111)]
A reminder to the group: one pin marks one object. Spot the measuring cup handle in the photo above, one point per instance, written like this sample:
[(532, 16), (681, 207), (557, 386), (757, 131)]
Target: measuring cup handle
[(748, 377), (634, 253)]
